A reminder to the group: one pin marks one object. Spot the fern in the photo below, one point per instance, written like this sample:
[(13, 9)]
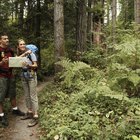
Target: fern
[(72, 72), (124, 64)]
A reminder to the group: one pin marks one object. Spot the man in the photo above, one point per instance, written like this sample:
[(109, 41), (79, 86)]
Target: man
[(7, 80)]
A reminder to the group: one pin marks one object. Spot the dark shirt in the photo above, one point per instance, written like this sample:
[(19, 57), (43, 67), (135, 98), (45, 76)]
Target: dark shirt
[(5, 71)]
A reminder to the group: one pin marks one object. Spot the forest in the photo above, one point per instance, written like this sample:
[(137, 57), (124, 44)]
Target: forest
[(91, 51)]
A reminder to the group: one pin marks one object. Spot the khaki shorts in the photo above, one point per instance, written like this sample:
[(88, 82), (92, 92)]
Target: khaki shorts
[(7, 88)]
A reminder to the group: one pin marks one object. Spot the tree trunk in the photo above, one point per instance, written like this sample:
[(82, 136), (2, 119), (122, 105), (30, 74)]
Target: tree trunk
[(37, 34), (89, 23), (58, 30), (114, 13), (21, 14), (97, 32), (103, 7), (81, 35), (97, 21), (137, 11), (16, 9)]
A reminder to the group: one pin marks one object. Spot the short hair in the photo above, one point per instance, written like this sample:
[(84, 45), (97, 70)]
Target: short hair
[(3, 34)]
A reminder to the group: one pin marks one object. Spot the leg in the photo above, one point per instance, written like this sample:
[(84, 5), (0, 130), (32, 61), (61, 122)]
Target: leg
[(12, 92), (34, 101), (33, 96), (29, 114), (3, 90), (25, 84), (12, 95)]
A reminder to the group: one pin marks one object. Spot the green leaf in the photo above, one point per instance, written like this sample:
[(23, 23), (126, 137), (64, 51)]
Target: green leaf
[(134, 78)]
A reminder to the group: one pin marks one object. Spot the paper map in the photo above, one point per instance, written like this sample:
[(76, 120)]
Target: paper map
[(16, 61)]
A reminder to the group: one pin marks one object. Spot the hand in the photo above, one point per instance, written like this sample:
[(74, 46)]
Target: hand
[(28, 52), (24, 64), (5, 60)]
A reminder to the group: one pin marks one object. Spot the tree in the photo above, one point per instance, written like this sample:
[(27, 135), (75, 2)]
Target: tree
[(114, 13), (58, 30), (126, 15), (89, 22), (137, 11), (37, 34), (98, 15), (81, 34), (21, 14)]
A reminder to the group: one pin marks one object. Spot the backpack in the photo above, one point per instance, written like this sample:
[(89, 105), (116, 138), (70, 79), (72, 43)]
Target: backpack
[(33, 48)]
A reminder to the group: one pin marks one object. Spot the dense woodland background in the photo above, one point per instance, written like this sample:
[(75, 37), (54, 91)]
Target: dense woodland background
[(92, 48)]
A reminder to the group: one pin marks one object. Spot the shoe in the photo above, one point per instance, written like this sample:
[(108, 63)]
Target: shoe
[(18, 112), (33, 122), (27, 116), (4, 121)]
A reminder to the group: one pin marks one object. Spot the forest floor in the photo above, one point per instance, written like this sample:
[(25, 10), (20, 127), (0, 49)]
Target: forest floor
[(17, 129)]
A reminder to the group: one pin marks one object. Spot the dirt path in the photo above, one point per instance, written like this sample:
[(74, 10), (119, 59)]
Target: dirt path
[(17, 129)]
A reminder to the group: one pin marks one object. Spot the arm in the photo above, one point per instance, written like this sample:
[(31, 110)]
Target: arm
[(26, 53), (33, 62), (34, 65)]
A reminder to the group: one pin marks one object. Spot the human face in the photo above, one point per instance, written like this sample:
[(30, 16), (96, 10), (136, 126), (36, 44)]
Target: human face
[(4, 41), (21, 45)]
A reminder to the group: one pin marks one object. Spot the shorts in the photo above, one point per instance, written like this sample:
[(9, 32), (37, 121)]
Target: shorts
[(7, 88)]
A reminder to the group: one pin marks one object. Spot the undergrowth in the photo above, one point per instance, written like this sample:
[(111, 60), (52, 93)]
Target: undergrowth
[(94, 102)]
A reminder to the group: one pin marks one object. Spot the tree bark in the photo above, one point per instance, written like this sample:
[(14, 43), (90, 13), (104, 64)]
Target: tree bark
[(21, 14), (81, 35), (97, 21), (37, 34), (89, 23), (137, 11), (114, 13), (58, 30)]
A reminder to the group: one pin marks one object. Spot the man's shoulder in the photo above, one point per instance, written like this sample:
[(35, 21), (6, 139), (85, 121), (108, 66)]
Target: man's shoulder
[(6, 49)]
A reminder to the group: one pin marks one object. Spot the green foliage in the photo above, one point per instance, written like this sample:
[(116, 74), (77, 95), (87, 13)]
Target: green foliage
[(95, 57), (73, 73), (127, 12), (94, 111), (98, 106), (4, 13), (47, 63), (124, 66), (84, 115)]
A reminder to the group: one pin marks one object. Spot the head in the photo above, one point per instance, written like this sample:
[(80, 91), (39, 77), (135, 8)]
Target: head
[(4, 40), (21, 47)]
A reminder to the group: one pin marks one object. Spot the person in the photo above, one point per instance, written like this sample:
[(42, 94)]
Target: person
[(7, 80), (29, 82)]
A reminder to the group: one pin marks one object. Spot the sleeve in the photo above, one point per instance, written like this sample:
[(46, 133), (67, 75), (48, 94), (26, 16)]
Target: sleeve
[(33, 57)]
